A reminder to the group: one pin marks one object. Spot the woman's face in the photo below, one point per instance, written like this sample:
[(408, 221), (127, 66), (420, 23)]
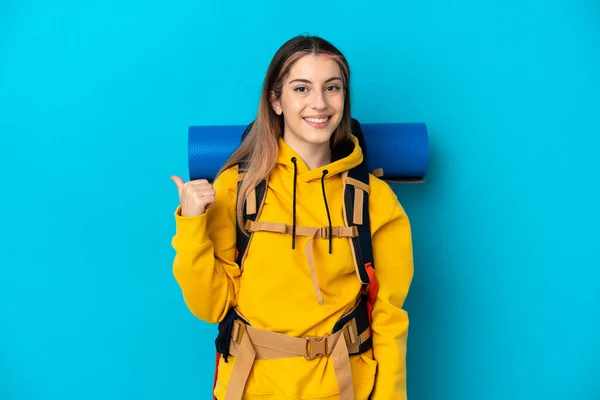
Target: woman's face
[(312, 100)]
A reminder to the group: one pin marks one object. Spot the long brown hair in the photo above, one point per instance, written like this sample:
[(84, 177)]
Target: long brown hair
[(260, 147)]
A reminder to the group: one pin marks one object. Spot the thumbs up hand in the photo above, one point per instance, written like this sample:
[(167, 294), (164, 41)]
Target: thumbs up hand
[(195, 196)]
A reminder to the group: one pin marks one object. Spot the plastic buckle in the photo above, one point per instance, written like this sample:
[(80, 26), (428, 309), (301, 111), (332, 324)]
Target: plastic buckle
[(315, 347), (336, 231)]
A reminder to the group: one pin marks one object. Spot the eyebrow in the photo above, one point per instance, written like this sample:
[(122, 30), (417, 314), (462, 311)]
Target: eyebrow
[(307, 81)]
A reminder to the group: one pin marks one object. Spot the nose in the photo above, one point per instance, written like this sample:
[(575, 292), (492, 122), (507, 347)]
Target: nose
[(318, 101)]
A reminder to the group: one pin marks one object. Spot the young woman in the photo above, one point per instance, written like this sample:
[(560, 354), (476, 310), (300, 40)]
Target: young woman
[(289, 308)]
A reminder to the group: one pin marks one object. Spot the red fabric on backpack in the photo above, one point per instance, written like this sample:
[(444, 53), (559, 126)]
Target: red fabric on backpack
[(372, 290)]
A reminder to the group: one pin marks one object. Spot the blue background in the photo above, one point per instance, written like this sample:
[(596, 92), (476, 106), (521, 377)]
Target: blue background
[(95, 101)]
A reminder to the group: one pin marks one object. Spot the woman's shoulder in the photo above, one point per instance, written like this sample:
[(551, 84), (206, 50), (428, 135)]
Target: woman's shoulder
[(380, 191), (383, 202), (227, 179)]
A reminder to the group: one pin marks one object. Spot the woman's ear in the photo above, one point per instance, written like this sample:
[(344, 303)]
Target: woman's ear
[(276, 103)]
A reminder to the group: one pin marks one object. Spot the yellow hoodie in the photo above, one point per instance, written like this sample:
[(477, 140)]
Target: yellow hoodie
[(276, 291)]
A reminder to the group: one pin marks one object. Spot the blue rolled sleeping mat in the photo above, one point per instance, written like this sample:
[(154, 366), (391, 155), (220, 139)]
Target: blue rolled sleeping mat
[(401, 150)]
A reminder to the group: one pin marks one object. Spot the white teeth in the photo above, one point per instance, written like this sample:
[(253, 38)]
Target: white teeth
[(317, 120)]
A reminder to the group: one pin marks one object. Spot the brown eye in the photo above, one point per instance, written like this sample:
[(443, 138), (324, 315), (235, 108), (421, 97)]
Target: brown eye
[(333, 88), (301, 89)]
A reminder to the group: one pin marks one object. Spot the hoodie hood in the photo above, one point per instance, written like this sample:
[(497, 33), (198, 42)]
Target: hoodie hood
[(344, 157)]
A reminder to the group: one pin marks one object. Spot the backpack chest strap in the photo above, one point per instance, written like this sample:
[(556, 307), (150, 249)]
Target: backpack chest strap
[(309, 231)]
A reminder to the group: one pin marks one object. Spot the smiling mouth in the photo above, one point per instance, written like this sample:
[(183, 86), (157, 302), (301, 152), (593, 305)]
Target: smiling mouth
[(317, 121)]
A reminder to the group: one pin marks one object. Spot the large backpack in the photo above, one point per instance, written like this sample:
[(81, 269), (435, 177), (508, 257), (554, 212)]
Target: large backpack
[(356, 211)]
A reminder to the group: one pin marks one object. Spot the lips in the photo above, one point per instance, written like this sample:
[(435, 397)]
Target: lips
[(318, 122)]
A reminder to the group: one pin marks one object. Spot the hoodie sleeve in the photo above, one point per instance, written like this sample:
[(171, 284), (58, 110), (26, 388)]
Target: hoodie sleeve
[(204, 265), (393, 257)]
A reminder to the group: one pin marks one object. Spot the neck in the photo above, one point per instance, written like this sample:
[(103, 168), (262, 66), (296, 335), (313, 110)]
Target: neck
[(314, 155)]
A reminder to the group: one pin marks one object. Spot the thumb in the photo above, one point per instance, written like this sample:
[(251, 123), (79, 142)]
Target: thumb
[(178, 182)]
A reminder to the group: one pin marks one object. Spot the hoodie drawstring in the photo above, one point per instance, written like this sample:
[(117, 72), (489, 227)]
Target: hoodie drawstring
[(314, 234), (294, 204), (330, 236), (325, 172)]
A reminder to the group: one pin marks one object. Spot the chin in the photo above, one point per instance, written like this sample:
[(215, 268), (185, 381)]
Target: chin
[(316, 137)]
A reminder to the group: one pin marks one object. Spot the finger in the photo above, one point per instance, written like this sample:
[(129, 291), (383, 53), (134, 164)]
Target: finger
[(198, 183), (210, 200), (202, 189), (204, 192), (178, 182)]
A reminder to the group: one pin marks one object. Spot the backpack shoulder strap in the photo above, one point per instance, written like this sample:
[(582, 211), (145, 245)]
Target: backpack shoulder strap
[(356, 208), (252, 207), (356, 211)]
